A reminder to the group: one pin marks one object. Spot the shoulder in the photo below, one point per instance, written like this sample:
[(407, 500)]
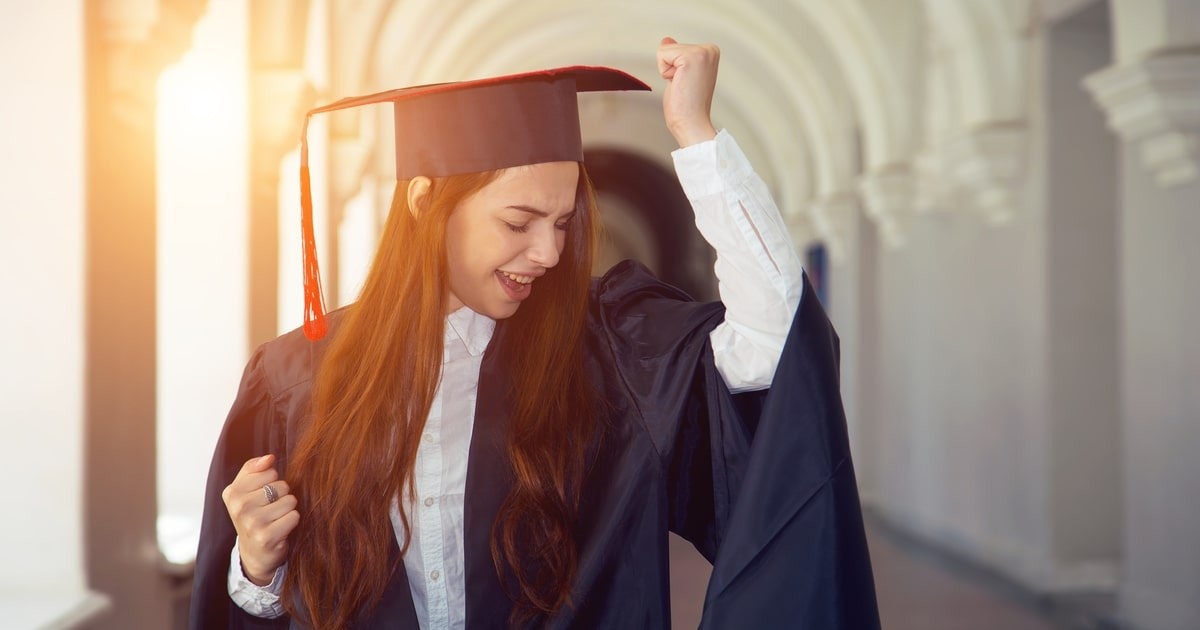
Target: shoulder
[(631, 280), (632, 307), (291, 359)]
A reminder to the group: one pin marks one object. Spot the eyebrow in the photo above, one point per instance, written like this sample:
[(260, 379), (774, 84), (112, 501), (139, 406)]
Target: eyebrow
[(540, 213)]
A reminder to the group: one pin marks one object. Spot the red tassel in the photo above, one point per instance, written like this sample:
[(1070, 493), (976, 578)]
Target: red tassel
[(315, 325)]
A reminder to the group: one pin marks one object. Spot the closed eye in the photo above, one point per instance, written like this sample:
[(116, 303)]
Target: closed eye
[(519, 229)]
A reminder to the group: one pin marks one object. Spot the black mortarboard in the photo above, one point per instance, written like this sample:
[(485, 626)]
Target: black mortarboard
[(466, 127)]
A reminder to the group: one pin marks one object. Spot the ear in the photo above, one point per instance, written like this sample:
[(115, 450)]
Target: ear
[(418, 194)]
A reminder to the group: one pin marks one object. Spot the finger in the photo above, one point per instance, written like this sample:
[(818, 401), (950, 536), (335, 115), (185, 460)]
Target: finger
[(258, 464), (668, 52), (280, 490), (278, 531), (252, 519), (249, 489), (665, 67), (286, 523), (246, 492), (264, 515), (253, 482), (252, 467)]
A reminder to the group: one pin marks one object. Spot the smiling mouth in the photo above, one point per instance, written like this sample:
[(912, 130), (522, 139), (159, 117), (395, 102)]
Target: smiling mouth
[(515, 285), (524, 280)]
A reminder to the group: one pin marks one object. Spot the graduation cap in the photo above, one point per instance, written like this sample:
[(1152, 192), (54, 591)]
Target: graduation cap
[(466, 127)]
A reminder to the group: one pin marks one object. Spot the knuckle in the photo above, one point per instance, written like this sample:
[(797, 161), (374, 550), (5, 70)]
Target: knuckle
[(260, 538), (261, 520)]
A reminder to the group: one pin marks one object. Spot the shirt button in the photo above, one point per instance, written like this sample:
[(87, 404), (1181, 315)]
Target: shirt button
[(428, 438), (429, 502), (434, 574)]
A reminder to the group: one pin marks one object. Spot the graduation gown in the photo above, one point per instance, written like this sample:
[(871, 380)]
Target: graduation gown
[(761, 483)]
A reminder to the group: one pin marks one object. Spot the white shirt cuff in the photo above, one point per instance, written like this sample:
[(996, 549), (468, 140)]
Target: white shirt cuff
[(260, 601), (703, 166)]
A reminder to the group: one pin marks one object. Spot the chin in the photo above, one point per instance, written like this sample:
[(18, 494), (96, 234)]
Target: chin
[(503, 312), (495, 310)]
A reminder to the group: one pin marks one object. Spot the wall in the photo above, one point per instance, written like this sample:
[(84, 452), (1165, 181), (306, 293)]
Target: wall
[(1083, 296), (998, 400), (41, 270), (1160, 366), (853, 309), (202, 261), (961, 447)]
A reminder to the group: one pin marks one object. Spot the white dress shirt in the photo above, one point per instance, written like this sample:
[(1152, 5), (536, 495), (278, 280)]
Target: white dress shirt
[(759, 280)]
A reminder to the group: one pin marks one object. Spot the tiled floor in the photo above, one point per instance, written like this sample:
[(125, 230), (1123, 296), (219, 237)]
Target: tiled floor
[(915, 592)]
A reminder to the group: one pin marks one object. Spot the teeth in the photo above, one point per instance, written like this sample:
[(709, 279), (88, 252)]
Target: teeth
[(518, 279)]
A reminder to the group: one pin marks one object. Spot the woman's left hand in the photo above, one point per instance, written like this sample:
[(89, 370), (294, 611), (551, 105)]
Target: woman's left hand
[(691, 74)]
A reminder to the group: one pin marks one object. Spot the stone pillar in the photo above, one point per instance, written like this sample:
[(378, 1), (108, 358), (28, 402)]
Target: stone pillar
[(986, 163), (1154, 105), (979, 72), (833, 219), (347, 166), (128, 43), (43, 581), (852, 306), (1152, 92), (890, 198), (279, 95), (1082, 194), (1151, 96)]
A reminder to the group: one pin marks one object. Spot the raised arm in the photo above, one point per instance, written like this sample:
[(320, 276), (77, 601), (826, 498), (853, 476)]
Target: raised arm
[(759, 276)]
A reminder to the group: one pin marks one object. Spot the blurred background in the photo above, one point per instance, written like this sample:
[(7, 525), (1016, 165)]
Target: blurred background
[(999, 199)]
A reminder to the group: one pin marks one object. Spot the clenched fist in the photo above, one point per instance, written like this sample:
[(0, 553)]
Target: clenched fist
[(691, 74), (262, 525)]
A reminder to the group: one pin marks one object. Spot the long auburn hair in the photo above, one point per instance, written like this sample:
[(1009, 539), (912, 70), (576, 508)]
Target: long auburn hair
[(372, 394)]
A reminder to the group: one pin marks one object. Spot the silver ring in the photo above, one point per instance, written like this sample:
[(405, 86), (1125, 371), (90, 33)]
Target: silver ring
[(270, 492)]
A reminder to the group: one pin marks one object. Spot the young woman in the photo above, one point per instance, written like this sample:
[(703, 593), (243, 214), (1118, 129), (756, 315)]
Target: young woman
[(490, 438)]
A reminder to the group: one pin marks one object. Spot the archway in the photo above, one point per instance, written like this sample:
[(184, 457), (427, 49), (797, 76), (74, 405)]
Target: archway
[(647, 217)]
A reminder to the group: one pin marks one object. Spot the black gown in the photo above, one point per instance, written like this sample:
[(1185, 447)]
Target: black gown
[(761, 483)]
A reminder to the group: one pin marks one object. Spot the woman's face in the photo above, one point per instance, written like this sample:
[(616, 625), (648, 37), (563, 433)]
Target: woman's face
[(501, 239)]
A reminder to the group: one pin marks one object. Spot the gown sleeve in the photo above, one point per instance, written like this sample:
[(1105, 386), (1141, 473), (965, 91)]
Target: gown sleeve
[(252, 428), (760, 482)]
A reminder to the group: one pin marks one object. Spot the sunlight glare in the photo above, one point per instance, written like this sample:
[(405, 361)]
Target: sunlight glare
[(203, 203)]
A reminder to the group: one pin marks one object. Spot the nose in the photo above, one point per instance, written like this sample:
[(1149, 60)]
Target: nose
[(545, 248)]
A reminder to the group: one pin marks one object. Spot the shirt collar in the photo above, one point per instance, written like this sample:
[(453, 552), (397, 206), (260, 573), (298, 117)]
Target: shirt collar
[(473, 329)]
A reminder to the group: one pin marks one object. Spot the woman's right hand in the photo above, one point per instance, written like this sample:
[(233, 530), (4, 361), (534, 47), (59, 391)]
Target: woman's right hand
[(262, 526)]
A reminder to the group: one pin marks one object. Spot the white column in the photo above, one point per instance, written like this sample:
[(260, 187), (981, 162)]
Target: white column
[(987, 164), (1151, 96), (42, 579), (202, 257), (1154, 104), (890, 198)]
